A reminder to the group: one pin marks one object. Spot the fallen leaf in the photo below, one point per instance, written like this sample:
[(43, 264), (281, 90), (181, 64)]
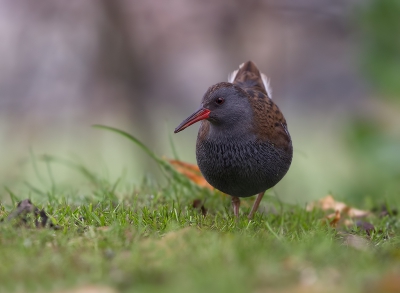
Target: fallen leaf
[(329, 203), (191, 171), (343, 215), (333, 219), (348, 222)]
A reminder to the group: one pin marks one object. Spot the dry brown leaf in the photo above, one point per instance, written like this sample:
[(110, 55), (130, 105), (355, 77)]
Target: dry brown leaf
[(191, 171), (329, 203), (348, 222), (343, 215), (333, 219)]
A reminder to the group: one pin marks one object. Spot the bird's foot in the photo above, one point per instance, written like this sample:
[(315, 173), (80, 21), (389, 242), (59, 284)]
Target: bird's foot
[(255, 205), (235, 205)]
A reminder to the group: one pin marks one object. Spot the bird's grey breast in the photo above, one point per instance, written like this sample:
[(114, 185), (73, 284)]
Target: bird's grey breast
[(240, 167)]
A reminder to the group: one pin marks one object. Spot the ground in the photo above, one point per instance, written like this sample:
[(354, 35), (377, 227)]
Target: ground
[(156, 241), (183, 237)]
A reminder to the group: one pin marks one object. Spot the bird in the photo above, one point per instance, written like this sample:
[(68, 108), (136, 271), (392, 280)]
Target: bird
[(243, 145)]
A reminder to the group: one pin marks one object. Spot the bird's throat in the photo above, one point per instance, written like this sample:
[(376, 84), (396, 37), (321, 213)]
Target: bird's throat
[(224, 132)]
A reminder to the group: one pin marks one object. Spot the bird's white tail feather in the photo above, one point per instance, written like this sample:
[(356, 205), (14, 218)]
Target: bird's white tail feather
[(265, 79), (232, 75), (267, 85)]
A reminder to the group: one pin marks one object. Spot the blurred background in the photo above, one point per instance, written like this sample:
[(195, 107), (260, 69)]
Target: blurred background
[(143, 66)]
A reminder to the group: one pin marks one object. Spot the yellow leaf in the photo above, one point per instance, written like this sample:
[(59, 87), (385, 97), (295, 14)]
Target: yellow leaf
[(191, 171)]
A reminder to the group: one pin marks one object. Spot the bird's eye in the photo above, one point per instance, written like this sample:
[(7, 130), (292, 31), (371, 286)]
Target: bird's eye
[(219, 101)]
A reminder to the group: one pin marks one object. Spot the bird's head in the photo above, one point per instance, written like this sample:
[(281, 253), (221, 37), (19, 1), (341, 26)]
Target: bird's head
[(224, 105)]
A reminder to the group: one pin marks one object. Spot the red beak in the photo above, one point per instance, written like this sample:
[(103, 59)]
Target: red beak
[(200, 114)]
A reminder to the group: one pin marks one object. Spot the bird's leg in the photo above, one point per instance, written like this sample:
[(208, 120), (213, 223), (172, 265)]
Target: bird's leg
[(235, 205), (255, 205)]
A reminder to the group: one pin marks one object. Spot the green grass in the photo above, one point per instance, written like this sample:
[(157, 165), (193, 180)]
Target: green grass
[(150, 239)]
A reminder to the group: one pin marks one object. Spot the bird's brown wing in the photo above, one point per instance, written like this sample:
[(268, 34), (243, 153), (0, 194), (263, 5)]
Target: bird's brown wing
[(269, 122)]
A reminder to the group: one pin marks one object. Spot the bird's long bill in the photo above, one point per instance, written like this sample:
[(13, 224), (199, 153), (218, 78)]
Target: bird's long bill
[(200, 114)]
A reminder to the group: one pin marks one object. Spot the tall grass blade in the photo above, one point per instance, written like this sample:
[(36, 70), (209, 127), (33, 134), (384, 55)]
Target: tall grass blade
[(164, 165)]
